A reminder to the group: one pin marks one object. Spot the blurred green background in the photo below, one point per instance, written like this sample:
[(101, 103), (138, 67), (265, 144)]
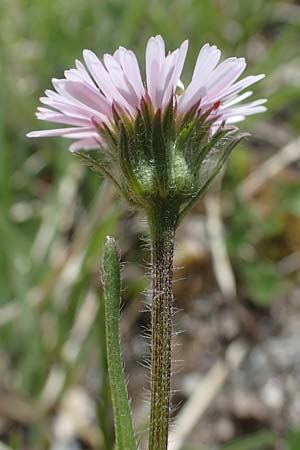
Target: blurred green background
[(240, 247)]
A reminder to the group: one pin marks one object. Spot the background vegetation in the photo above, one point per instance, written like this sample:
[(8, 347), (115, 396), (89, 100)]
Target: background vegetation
[(239, 292)]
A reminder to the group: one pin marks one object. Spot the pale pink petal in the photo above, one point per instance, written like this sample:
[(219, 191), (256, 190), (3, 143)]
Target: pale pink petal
[(189, 99), (244, 110), (87, 96), (64, 96), (222, 79), (244, 83), (155, 59), (207, 60), (81, 134), (180, 62), (103, 80), (161, 45), (41, 109), (63, 118), (164, 86), (112, 63), (163, 72), (235, 119), (131, 70), (78, 110), (73, 75), (171, 75), (152, 67), (53, 132), (120, 80), (78, 75), (236, 99), (84, 73), (259, 102), (84, 144)]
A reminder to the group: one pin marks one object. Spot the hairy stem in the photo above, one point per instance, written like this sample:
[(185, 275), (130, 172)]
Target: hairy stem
[(162, 231)]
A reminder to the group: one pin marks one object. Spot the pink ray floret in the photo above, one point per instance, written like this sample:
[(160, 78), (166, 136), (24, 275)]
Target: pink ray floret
[(85, 97)]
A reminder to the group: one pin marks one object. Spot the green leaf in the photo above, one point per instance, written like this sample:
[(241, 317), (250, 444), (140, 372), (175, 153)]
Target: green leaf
[(125, 439)]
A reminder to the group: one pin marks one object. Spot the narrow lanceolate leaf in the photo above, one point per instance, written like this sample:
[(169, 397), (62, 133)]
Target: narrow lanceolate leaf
[(124, 433)]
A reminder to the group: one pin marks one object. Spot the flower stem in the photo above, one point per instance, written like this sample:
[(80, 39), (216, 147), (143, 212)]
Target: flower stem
[(162, 232)]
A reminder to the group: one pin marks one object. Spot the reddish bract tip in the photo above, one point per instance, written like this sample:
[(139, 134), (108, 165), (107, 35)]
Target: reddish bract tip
[(217, 104)]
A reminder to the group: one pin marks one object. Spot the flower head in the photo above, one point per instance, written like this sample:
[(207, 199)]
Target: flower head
[(155, 137)]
